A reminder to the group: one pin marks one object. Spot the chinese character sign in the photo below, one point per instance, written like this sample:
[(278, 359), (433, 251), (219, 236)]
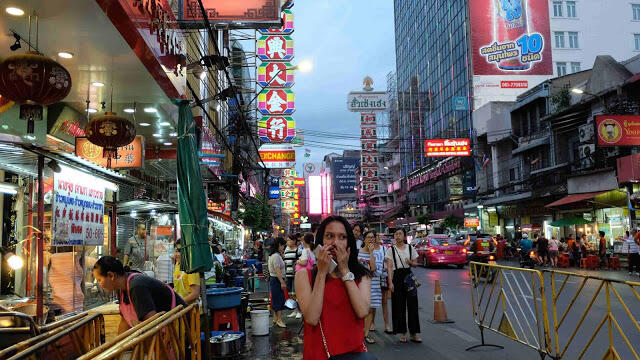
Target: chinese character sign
[(78, 210), (287, 27), (276, 129), (276, 101), (275, 48), (275, 74)]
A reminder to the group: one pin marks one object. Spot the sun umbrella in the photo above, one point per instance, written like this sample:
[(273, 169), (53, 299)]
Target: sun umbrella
[(570, 221)]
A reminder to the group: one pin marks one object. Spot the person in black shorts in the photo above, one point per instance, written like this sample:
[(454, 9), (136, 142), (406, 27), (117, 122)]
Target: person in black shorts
[(543, 250)]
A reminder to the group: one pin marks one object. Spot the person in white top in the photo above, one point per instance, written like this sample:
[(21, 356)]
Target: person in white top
[(400, 258), (634, 257)]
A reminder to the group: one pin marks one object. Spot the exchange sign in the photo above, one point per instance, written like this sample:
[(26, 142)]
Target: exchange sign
[(277, 156), (276, 129), (276, 101), (275, 48), (275, 74), (618, 130), (447, 147)]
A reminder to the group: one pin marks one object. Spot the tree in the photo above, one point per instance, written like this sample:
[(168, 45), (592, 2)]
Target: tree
[(423, 219), (561, 100), (451, 222), (257, 214)]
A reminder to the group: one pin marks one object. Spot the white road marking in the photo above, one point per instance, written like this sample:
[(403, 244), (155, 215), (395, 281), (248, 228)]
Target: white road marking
[(463, 335), (531, 297)]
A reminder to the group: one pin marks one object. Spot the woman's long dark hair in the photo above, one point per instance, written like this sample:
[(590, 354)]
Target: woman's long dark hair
[(108, 264), (275, 247), (308, 239), (355, 266)]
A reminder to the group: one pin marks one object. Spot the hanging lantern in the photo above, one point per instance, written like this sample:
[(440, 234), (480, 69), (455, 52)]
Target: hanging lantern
[(110, 131), (33, 81)]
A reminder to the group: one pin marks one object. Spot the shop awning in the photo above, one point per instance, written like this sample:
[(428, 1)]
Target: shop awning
[(146, 205), (570, 221), (223, 216), (574, 198)]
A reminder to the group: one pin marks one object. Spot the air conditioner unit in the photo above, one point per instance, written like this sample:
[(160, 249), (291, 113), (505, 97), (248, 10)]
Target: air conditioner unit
[(585, 133), (586, 150), (587, 163), (613, 151)]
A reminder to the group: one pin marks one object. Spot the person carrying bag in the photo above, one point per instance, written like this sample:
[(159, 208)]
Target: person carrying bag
[(403, 286)]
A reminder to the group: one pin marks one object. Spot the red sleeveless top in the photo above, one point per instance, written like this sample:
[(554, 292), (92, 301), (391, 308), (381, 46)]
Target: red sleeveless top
[(343, 331)]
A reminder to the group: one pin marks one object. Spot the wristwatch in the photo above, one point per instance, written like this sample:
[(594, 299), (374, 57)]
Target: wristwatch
[(348, 277)]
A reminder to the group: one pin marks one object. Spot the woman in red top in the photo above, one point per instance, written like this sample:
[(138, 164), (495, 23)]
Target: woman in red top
[(334, 302)]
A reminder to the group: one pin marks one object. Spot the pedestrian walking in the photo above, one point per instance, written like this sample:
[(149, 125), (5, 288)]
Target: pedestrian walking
[(335, 295), (384, 288), (633, 250), (290, 259), (372, 259), (543, 248), (553, 251), (277, 284), (400, 258), (602, 250)]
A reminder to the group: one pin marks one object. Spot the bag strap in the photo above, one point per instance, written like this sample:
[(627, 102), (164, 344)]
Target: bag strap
[(393, 250), (324, 340), (401, 262)]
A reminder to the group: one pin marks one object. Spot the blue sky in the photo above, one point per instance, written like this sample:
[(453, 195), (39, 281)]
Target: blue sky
[(346, 40)]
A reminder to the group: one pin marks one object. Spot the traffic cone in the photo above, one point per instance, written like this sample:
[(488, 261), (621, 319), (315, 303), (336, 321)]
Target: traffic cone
[(439, 311)]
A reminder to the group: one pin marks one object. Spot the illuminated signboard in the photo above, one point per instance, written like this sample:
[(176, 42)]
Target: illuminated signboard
[(274, 192), (129, 156), (276, 101), (471, 222), (275, 74), (277, 156), (447, 147), (618, 130), (360, 101), (276, 129), (275, 48), (314, 197), (287, 25), (248, 12), (299, 182)]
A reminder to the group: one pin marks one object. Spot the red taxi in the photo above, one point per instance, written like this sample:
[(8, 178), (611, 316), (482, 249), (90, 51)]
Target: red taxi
[(441, 250)]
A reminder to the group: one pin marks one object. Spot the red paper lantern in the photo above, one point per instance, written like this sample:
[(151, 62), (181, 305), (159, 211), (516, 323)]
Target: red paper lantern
[(110, 131), (33, 81)]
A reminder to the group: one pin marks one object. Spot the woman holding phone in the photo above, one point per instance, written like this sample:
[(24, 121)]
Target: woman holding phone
[(335, 296)]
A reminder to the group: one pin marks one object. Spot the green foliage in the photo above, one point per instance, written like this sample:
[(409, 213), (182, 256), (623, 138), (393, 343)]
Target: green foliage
[(451, 222), (561, 100), (423, 219), (257, 215)]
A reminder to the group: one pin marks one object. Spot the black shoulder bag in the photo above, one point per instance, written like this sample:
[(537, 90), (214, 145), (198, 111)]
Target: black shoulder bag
[(410, 282)]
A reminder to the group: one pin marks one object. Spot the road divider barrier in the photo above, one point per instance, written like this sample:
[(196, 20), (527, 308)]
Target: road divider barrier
[(591, 317)]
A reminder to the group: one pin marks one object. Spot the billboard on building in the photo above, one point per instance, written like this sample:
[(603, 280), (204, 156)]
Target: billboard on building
[(511, 47), (447, 147), (258, 13), (344, 175), (277, 156), (618, 130)]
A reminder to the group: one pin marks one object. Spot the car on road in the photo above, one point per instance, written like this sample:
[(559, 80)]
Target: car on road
[(441, 250), (387, 241)]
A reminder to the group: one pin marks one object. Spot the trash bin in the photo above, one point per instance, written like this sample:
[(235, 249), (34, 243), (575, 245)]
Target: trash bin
[(260, 322)]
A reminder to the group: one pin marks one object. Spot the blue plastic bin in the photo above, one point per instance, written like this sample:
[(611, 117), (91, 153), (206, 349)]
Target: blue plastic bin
[(223, 298), (259, 267), (215, 285), (251, 262), (240, 281)]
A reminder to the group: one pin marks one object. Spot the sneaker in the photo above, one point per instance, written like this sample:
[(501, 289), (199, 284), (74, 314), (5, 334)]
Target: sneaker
[(299, 316), (293, 314)]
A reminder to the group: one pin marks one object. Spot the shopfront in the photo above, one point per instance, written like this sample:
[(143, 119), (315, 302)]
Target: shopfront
[(229, 234)]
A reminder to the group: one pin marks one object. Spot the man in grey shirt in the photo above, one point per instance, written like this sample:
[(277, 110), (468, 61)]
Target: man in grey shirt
[(134, 251)]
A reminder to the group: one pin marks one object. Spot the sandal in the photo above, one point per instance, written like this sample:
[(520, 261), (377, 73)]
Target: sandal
[(416, 339), (281, 324), (369, 340), (388, 331), (403, 338)]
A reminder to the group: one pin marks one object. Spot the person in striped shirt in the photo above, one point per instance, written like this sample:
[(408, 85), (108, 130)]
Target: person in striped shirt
[(290, 259), (373, 260)]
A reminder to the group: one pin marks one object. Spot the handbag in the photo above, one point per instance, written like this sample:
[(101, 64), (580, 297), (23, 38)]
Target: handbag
[(347, 356), (410, 282), (310, 262)]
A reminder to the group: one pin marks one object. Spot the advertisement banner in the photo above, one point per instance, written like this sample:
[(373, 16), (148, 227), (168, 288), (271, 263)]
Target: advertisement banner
[(276, 101), (447, 147), (78, 210), (618, 130), (359, 101), (276, 129), (129, 156), (275, 48), (471, 222), (344, 175), (510, 37)]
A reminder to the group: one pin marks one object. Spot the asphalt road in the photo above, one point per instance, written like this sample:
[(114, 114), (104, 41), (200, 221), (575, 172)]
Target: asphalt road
[(449, 341)]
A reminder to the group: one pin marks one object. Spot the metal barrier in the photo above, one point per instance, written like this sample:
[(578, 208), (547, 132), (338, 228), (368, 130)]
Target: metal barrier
[(510, 301), (603, 294), (174, 335), (64, 342)]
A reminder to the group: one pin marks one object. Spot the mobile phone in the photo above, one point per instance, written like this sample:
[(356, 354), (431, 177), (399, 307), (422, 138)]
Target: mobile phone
[(332, 266)]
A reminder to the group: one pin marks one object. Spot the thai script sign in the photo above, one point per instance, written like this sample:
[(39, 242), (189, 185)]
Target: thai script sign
[(433, 174), (367, 101), (447, 147), (618, 130)]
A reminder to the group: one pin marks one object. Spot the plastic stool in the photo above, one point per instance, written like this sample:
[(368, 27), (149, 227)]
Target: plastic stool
[(593, 262), (614, 263), (584, 263), (225, 317), (563, 261)]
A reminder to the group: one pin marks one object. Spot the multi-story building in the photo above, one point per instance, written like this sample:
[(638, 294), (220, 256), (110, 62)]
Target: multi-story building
[(434, 76)]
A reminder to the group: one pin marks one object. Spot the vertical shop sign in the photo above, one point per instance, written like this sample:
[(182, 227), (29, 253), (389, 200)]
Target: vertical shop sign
[(78, 211)]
